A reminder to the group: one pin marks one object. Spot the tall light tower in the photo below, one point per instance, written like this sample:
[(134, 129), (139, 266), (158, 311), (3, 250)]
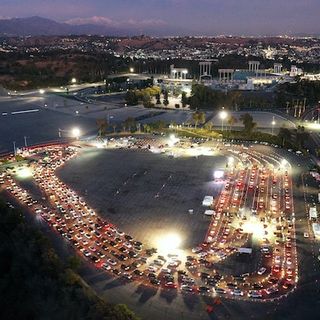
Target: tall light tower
[(223, 115), (272, 125)]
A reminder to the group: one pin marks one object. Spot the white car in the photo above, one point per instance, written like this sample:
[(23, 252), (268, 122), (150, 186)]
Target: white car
[(237, 292), (112, 262), (254, 294), (261, 271)]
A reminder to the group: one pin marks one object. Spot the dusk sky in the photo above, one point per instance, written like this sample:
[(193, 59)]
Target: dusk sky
[(211, 17)]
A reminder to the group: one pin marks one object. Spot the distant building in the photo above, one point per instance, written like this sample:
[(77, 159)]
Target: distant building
[(178, 73), (295, 71)]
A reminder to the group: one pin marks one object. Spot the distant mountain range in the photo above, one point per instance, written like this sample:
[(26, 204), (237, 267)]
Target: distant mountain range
[(38, 26)]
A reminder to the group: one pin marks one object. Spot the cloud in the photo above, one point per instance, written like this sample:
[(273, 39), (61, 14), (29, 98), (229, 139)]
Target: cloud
[(105, 21), (91, 20)]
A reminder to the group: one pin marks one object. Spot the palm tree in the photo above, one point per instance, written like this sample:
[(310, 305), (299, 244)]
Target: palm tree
[(198, 117), (102, 127), (130, 123), (248, 123), (208, 125), (285, 135), (301, 136), (231, 121)]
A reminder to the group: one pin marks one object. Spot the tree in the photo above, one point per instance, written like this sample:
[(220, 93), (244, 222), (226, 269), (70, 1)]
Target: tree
[(285, 135), (198, 117), (248, 123), (165, 98), (130, 124), (184, 99), (132, 98), (146, 128), (231, 121), (158, 98), (208, 125), (301, 136), (74, 262), (146, 101), (102, 127)]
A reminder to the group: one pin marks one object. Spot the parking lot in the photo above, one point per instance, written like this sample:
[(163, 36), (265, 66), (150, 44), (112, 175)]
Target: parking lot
[(147, 195)]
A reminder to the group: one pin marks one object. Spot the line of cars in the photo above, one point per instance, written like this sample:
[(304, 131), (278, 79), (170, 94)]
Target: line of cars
[(110, 249)]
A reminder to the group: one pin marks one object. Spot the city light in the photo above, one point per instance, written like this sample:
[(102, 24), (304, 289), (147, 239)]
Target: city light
[(218, 174), (230, 161), (76, 133), (100, 144), (169, 243), (284, 164), (223, 115), (25, 173), (73, 80), (273, 123), (172, 140), (41, 91), (131, 70), (258, 230)]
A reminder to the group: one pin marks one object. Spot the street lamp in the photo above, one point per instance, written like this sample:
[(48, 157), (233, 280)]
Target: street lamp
[(223, 115), (131, 70), (73, 80), (25, 141), (273, 124), (41, 91)]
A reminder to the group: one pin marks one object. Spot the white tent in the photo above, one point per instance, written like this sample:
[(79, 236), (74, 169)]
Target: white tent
[(207, 201)]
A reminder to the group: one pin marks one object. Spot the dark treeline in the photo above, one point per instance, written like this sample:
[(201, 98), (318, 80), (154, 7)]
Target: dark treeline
[(36, 284), (300, 90)]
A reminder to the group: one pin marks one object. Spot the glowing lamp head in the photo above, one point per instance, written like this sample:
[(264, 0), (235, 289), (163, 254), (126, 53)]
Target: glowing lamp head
[(284, 163), (73, 80), (25, 173), (76, 132), (230, 160), (131, 70), (223, 115), (172, 140), (169, 243), (218, 174), (41, 91)]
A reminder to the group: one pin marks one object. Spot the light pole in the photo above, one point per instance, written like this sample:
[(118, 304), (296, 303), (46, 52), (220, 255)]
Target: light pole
[(14, 148), (223, 115), (25, 141), (272, 125)]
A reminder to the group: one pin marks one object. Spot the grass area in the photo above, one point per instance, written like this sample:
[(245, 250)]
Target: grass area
[(233, 135)]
